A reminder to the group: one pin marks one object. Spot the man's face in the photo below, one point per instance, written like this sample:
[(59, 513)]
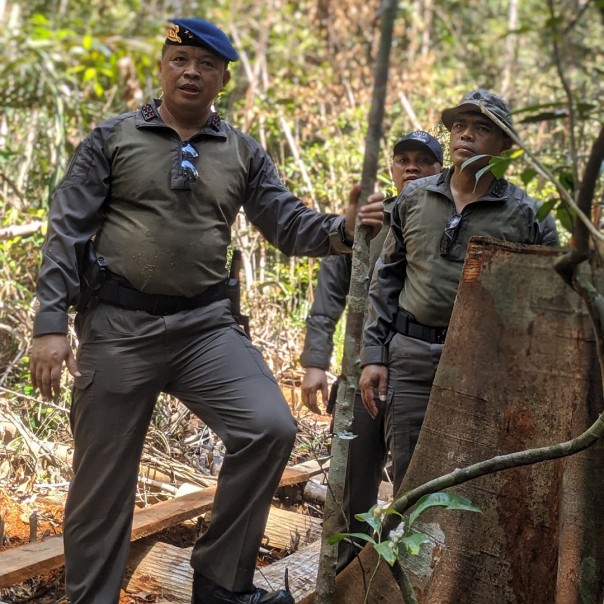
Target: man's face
[(412, 164), (191, 77), (474, 134)]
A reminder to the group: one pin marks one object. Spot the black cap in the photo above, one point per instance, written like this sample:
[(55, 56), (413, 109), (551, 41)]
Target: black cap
[(419, 140), (197, 32), (472, 101)]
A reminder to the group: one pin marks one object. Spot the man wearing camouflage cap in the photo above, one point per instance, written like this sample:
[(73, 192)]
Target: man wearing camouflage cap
[(417, 275), (159, 190)]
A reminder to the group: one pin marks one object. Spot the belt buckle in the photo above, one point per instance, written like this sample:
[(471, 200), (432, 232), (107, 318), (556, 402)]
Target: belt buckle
[(440, 336)]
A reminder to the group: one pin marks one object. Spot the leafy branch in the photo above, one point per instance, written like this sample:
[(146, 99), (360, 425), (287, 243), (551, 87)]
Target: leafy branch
[(391, 544)]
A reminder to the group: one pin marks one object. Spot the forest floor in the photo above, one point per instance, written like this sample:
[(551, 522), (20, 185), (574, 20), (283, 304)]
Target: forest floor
[(26, 501)]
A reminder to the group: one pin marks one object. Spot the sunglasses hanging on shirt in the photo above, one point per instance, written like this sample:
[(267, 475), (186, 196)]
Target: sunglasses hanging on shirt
[(189, 171)]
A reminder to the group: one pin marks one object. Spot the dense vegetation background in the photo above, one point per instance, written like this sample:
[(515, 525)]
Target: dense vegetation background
[(303, 88)]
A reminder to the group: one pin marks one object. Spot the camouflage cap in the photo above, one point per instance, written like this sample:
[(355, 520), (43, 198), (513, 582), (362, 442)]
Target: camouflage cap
[(472, 101)]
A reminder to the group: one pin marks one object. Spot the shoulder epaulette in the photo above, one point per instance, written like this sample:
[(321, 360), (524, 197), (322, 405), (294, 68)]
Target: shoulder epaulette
[(500, 187)]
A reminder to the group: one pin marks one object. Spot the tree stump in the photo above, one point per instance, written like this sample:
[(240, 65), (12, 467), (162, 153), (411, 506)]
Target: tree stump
[(519, 370)]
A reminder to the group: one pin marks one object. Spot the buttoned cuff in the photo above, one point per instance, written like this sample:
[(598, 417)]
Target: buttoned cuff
[(310, 359), (50, 322), (338, 238), (374, 355)]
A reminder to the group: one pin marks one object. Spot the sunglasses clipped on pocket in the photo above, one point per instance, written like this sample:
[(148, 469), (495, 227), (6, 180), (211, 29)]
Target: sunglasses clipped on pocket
[(450, 234)]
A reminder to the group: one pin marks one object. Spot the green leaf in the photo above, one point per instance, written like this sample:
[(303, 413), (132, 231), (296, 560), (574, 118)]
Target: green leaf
[(386, 551), (499, 165), (527, 175), (337, 537), (374, 522), (450, 501), (482, 171), (87, 42), (89, 74), (546, 208), (471, 160), (514, 153), (566, 178), (413, 541), (565, 217)]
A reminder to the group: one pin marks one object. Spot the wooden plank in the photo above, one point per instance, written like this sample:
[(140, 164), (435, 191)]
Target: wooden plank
[(165, 570), (20, 563), (160, 569), (302, 569), (287, 530)]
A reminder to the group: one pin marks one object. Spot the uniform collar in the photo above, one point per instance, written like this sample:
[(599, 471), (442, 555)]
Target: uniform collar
[(148, 116), (498, 191)]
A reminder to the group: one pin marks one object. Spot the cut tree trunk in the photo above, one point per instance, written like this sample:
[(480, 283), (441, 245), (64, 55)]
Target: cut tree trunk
[(518, 370)]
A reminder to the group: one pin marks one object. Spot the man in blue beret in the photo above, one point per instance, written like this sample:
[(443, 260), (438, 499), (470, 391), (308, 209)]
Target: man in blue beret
[(138, 235)]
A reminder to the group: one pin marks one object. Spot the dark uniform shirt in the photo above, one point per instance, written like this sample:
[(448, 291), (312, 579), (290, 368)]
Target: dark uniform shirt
[(333, 283), (165, 235), (411, 273)]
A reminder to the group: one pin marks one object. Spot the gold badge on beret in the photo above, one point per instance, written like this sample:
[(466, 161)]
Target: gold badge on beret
[(172, 33)]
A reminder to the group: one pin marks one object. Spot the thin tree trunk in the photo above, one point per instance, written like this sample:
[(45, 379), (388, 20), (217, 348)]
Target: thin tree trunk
[(511, 50), (428, 13), (334, 520)]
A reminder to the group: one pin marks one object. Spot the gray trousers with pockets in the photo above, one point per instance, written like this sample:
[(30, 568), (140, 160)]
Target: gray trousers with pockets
[(411, 371), (127, 358)]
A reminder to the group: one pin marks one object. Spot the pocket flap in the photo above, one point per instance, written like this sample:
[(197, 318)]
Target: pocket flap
[(83, 381)]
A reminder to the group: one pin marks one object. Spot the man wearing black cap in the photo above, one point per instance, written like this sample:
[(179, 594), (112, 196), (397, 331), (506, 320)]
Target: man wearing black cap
[(414, 156), (417, 275), (158, 190)]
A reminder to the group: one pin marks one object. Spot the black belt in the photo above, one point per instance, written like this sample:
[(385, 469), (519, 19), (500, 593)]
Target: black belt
[(118, 292), (406, 325)]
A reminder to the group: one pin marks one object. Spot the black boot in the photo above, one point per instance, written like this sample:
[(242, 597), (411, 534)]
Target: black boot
[(206, 591)]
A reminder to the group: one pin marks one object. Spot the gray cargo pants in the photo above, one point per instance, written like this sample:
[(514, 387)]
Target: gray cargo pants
[(201, 356), (411, 371)]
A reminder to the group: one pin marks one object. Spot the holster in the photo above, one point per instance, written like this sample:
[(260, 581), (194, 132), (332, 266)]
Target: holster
[(333, 396), (234, 292), (92, 275)]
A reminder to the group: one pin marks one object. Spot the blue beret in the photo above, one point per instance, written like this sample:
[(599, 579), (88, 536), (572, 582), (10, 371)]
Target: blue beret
[(197, 32)]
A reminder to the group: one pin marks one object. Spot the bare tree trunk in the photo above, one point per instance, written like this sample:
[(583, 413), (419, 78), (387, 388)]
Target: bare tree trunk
[(511, 48), (334, 518), (519, 370), (428, 12)]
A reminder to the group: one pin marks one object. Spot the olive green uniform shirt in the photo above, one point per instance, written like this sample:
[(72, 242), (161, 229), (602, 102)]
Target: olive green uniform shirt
[(126, 188), (411, 274)]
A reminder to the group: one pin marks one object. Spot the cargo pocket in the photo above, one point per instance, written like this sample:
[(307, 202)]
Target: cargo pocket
[(81, 388), (81, 382)]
